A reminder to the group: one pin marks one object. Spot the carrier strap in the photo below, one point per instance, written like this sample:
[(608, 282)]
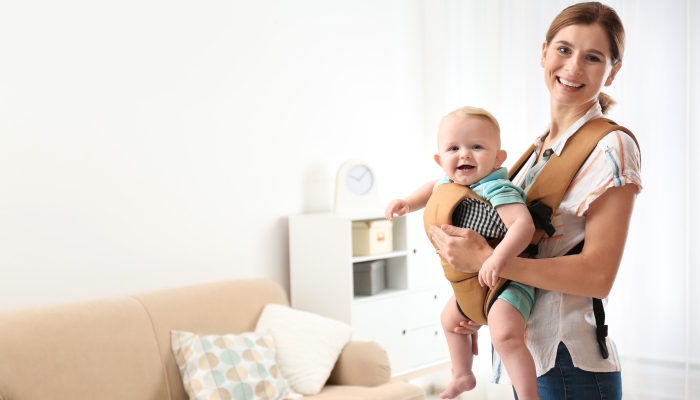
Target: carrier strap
[(601, 330), (553, 181)]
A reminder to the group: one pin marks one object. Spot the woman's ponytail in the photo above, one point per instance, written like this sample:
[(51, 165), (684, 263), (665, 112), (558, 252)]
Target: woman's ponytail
[(606, 102)]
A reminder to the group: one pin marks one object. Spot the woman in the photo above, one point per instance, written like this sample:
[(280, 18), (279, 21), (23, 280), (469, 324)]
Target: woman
[(582, 54)]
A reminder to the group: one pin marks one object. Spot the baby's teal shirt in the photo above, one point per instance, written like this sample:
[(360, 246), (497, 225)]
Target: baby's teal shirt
[(495, 188)]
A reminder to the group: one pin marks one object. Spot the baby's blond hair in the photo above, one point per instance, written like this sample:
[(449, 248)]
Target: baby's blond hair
[(468, 111)]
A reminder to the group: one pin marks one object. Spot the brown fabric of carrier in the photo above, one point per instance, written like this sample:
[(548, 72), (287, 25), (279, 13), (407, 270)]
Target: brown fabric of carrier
[(470, 295)]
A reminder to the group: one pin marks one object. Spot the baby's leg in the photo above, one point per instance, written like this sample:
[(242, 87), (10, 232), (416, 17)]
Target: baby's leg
[(507, 329), (460, 351)]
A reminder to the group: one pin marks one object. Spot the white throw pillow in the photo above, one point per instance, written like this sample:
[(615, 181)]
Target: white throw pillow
[(308, 345), (229, 367)]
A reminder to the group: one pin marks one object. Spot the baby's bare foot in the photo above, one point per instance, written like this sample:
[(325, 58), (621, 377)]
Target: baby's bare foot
[(459, 385)]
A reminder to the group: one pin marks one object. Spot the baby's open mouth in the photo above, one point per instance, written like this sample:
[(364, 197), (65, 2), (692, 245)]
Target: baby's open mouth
[(465, 167)]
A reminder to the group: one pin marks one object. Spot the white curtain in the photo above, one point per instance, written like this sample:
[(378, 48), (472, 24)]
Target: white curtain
[(492, 51)]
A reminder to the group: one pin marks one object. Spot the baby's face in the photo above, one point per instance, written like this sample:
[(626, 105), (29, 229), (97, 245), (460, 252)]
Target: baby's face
[(468, 148)]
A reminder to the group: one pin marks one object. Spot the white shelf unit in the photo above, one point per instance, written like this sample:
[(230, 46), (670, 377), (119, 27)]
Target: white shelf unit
[(404, 318)]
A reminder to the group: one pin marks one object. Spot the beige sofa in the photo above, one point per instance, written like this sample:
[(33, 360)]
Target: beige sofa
[(120, 348)]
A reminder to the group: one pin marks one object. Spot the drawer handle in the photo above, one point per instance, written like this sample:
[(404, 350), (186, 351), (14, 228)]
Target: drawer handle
[(404, 332)]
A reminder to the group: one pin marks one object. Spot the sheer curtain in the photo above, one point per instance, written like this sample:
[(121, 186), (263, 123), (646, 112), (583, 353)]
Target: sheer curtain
[(492, 52)]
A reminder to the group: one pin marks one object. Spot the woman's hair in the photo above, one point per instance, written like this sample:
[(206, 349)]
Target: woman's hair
[(468, 111), (588, 14)]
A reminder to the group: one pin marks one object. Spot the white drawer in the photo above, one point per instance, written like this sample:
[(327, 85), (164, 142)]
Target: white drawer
[(426, 306), (427, 345), (406, 325)]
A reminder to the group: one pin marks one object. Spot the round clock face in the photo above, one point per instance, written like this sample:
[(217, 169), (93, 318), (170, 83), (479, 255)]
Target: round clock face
[(359, 179)]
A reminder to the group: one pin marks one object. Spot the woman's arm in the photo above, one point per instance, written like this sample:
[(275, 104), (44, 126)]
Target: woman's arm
[(590, 273)]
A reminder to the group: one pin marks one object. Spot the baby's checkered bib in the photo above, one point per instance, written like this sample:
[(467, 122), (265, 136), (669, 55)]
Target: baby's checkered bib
[(480, 217)]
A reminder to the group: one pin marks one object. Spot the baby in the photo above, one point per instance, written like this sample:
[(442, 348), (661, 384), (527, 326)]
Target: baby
[(469, 151)]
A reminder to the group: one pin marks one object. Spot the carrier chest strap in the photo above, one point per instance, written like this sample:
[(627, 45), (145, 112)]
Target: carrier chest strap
[(601, 331)]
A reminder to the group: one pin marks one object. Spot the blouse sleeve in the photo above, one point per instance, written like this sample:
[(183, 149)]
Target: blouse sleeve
[(616, 161)]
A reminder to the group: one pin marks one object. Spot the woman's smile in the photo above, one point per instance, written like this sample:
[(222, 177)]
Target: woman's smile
[(569, 84)]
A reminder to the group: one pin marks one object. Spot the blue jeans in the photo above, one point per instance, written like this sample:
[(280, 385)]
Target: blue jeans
[(566, 382)]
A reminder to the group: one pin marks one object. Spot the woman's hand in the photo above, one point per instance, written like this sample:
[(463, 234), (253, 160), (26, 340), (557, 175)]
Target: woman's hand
[(470, 328), (463, 248)]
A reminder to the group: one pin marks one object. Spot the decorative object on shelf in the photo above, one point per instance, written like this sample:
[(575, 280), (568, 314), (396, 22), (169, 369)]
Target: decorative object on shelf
[(369, 278), (372, 237), (356, 189)]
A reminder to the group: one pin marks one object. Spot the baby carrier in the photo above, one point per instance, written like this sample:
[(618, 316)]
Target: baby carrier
[(543, 198)]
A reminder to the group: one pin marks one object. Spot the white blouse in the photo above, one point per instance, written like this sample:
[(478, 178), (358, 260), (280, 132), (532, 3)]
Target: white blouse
[(559, 317)]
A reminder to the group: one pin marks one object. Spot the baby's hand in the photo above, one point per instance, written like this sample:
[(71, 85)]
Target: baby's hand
[(398, 207), (490, 270)]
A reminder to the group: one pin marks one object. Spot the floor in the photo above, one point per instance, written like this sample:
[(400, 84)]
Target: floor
[(434, 384), (495, 393), (434, 396)]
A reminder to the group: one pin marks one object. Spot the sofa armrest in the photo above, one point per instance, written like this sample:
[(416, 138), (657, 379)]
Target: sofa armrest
[(361, 364)]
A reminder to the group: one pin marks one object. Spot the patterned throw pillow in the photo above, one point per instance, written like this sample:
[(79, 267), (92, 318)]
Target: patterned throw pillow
[(229, 367)]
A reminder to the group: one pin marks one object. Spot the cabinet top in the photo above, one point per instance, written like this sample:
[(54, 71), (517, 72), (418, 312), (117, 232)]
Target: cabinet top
[(348, 217)]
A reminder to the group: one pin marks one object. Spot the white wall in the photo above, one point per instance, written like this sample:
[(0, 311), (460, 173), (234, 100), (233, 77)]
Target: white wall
[(148, 144)]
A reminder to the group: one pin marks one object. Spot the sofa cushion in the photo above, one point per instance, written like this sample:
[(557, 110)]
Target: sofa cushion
[(101, 349), (308, 345), (229, 366), (217, 308), (361, 364)]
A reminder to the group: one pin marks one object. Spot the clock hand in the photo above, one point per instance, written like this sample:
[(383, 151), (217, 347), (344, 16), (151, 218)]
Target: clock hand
[(359, 177)]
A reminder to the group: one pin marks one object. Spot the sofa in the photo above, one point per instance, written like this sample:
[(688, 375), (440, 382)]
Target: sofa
[(119, 348)]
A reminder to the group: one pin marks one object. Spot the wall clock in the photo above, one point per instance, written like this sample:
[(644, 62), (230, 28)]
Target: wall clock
[(356, 189)]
